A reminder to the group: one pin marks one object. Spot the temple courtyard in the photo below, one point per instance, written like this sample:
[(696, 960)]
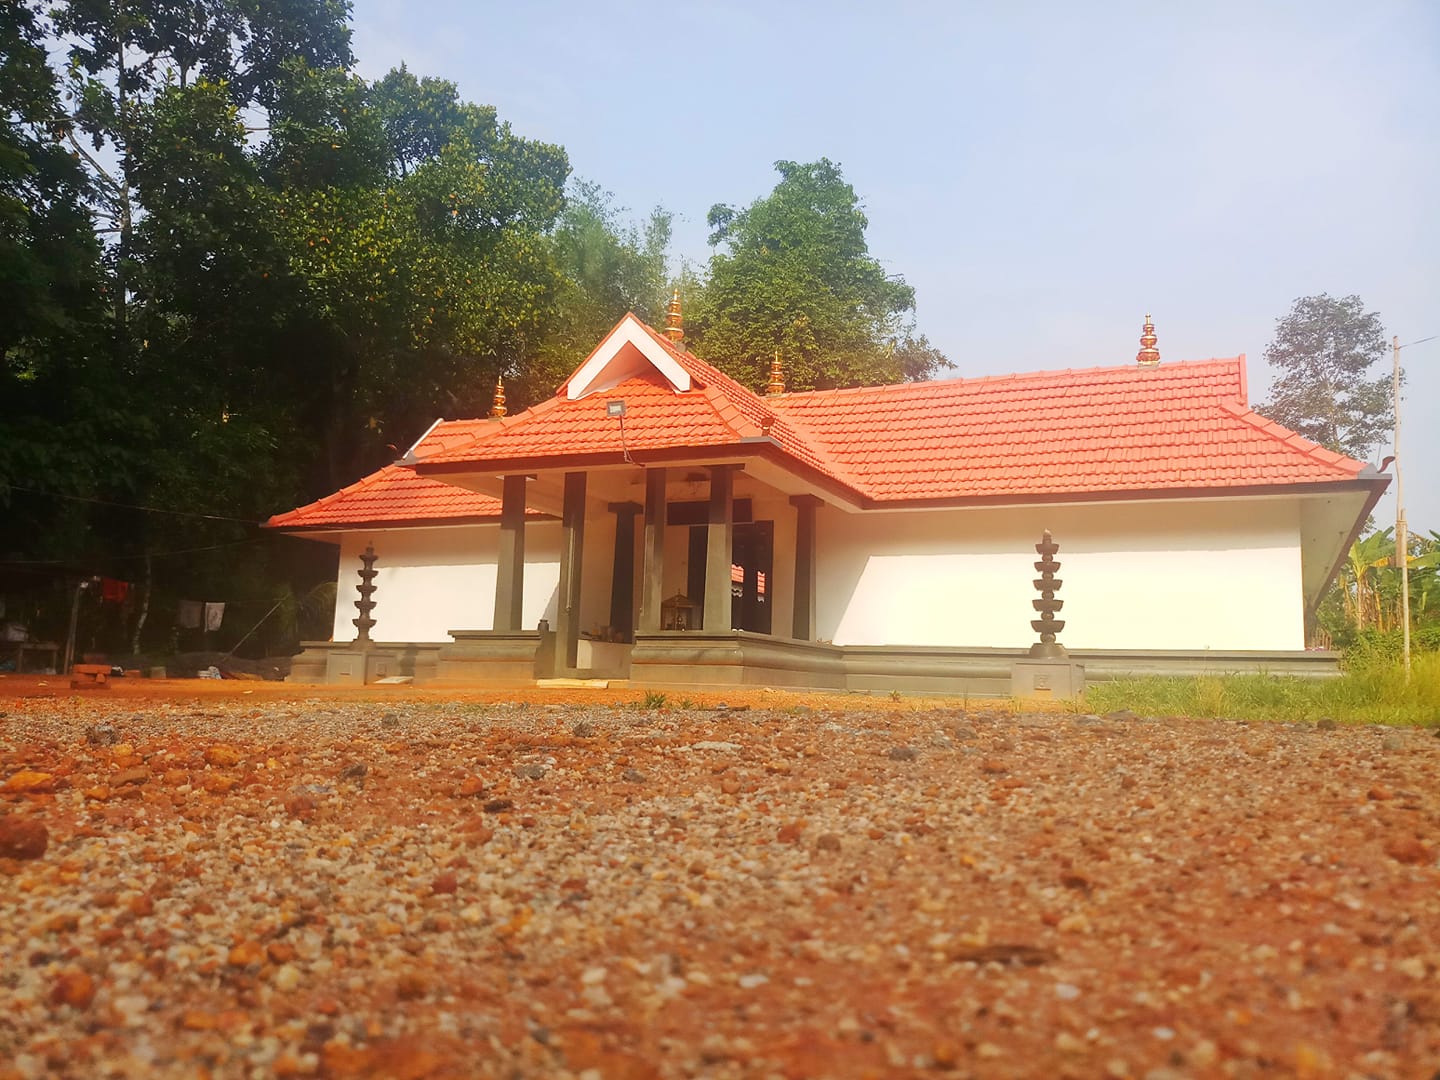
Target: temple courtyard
[(255, 880)]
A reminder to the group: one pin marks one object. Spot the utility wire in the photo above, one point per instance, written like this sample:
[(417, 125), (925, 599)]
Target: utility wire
[(132, 506), (121, 558)]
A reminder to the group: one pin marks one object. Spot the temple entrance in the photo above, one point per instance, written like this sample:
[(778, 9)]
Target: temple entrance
[(751, 564), (751, 577)]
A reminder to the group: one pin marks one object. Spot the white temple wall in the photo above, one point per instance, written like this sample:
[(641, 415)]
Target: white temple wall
[(1222, 574)]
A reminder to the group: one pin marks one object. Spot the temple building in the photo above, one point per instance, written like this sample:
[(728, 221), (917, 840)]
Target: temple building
[(658, 522)]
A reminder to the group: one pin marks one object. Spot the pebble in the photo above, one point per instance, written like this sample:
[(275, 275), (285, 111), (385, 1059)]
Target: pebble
[(287, 977), (102, 735), (22, 837), (903, 753)]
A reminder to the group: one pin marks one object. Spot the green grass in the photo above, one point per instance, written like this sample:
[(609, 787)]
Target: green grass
[(1371, 694)]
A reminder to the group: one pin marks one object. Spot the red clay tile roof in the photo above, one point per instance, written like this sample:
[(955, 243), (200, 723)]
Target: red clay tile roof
[(1053, 434), (393, 496), (398, 496), (1131, 428)]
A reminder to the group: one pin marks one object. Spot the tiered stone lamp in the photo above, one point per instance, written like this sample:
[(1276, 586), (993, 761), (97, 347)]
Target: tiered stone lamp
[(362, 660), (1047, 585), (366, 589), (1048, 672)]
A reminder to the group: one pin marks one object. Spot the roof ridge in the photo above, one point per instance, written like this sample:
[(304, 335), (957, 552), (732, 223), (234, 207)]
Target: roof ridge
[(960, 380), (1293, 439)]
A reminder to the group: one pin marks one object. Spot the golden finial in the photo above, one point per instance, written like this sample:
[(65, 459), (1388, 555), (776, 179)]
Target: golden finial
[(1148, 354), (777, 377), (674, 321), (497, 403)]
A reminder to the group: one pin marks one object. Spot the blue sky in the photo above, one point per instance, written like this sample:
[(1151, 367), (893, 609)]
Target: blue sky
[(1044, 174)]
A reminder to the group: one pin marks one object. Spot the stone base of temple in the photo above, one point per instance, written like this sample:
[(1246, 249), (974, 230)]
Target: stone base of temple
[(343, 663), (705, 660)]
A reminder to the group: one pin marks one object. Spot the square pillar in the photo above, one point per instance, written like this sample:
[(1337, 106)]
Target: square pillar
[(802, 620), (510, 565), (720, 539), (572, 544), (622, 574), (652, 593)]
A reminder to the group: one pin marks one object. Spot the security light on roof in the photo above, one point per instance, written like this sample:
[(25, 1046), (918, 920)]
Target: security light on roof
[(615, 409)]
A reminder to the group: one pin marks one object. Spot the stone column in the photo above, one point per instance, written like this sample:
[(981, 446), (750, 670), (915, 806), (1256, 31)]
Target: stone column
[(510, 563), (719, 548), (572, 545), (622, 574), (802, 619), (652, 593)]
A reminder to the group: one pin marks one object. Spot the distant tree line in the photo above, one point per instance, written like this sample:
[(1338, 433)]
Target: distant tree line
[(235, 276)]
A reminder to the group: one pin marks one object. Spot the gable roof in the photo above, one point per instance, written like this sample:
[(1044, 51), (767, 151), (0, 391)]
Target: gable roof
[(715, 411), (1101, 431)]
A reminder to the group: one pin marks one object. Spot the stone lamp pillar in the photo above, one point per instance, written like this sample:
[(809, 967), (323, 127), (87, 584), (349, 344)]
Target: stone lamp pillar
[(365, 604), (1048, 672)]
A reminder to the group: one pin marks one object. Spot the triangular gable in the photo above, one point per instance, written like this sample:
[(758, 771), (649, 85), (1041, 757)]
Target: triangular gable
[(627, 351)]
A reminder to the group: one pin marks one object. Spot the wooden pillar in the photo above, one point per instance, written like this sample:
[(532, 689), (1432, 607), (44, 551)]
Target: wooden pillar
[(652, 593), (622, 575), (510, 565), (572, 546), (718, 547), (802, 619)]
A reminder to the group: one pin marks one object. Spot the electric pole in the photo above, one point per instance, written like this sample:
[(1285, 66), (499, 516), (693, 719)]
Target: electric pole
[(1402, 543)]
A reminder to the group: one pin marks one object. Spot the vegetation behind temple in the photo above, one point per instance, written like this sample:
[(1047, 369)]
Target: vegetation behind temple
[(237, 276)]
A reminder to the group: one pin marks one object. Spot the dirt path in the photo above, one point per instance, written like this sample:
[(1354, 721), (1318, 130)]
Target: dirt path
[(256, 880)]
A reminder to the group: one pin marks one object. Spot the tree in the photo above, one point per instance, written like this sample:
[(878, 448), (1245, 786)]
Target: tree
[(795, 275), (57, 420), (1323, 351), (606, 267)]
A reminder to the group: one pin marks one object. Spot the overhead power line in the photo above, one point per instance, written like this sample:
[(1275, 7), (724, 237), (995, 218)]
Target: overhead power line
[(132, 506), (126, 558)]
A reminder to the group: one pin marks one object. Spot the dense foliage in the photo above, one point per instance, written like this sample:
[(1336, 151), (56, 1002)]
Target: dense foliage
[(236, 276), (793, 277), (1362, 611)]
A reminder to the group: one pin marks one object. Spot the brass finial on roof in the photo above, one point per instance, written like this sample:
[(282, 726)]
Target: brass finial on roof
[(674, 321), (497, 403), (777, 377), (1148, 355)]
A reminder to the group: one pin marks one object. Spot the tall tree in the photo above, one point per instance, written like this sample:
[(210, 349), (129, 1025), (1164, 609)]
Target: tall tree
[(1324, 352), (607, 267), (121, 53), (794, 275), (54, 401), (419, 266)]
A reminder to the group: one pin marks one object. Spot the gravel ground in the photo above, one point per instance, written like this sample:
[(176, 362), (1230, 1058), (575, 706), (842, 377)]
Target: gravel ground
[(417, 888)]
